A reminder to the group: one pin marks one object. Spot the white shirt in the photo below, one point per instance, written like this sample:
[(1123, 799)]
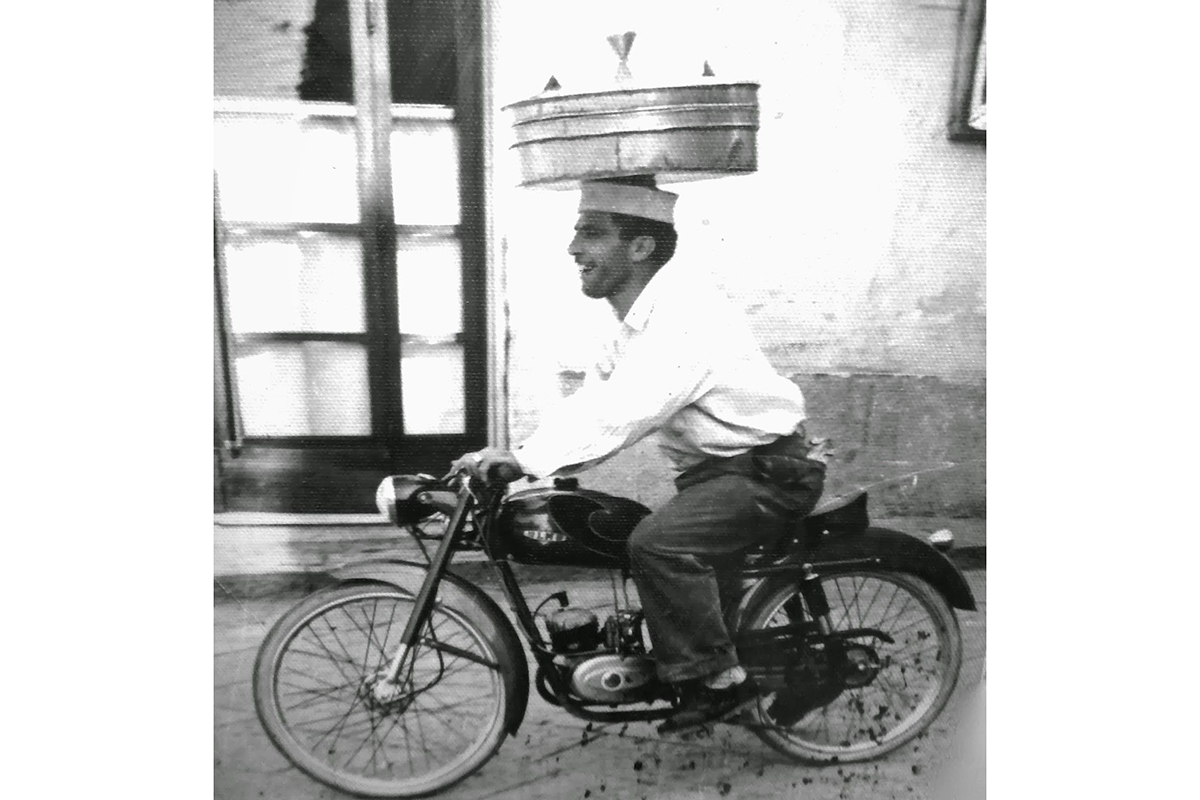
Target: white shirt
[(684, 363)]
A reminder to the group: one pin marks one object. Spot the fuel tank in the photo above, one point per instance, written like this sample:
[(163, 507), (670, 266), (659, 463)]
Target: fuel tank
[(566, 525)]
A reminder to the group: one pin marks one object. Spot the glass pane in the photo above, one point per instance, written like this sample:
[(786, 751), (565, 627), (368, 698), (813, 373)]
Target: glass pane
[(429, 287), (425, 172), (259, 47), (304, 389), (285, 48), (432, 388), (301, 283), (284, 168)]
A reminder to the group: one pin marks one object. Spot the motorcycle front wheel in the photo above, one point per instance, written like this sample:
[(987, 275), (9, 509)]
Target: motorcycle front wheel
[(905, 684), (313, 684)]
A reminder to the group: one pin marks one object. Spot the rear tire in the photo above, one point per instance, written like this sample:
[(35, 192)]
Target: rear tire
[(309, 693), (918, 673)]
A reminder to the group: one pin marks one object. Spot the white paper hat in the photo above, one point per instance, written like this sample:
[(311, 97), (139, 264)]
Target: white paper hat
[(636, 201)]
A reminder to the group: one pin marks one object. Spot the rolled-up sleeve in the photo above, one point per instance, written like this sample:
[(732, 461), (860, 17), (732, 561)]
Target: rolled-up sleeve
[(658, 375)]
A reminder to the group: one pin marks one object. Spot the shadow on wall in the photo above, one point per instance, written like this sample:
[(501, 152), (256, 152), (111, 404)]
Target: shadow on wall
[(917, 444)]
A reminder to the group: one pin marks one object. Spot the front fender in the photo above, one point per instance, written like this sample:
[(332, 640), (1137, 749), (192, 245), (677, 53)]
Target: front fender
[(458, 593)]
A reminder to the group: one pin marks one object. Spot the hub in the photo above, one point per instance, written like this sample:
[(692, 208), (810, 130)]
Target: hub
[(378, 694), (862, 665)]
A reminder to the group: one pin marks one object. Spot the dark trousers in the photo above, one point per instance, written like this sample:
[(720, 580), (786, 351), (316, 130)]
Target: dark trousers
[(724, 507)]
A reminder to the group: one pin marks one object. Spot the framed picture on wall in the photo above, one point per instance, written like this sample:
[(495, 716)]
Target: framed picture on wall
[(968, 94)]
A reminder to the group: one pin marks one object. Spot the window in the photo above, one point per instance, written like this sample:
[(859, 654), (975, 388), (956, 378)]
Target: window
[(968, 94), (349, 248)]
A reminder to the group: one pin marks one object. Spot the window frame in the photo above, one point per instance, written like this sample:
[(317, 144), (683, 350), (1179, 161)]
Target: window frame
[(261, 460), (972, 18)]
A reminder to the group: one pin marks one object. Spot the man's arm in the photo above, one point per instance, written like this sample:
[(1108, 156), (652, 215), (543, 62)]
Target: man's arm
[(659, 375), (490, 463)]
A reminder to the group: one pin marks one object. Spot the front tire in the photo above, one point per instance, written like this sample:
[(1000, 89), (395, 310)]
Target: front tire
[(916, 674), (312, 692)]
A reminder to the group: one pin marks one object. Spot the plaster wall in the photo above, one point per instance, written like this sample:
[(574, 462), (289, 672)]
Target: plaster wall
[(857, 250)]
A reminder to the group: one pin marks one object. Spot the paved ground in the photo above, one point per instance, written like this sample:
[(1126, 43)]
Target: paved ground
[(556, 756)]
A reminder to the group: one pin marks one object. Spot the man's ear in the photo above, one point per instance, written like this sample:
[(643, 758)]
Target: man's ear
[(641, 248)]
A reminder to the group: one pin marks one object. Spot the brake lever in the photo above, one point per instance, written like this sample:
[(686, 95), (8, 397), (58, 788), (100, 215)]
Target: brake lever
[(461, 480)]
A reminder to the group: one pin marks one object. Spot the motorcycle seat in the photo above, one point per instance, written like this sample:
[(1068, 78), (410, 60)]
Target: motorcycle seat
[(845, 517), (848, 516)]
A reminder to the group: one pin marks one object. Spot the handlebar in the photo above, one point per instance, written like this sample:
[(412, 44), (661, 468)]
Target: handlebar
[(493, 480), (450, 476)]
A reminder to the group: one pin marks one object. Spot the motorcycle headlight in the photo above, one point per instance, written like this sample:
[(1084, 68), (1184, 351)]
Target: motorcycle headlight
[(385, 499), (399, 498)]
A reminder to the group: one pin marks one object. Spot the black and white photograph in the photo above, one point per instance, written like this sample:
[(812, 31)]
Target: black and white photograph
[(599, 399), (607, 400)]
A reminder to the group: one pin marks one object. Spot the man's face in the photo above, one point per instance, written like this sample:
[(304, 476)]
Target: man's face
[(605, 261)]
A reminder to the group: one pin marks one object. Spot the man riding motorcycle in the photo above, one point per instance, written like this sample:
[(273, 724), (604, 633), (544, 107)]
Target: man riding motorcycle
[(682, 362)]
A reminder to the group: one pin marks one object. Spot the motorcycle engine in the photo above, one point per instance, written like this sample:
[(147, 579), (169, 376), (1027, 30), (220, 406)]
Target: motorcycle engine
[(611, 678), (617, 676), (573, 630)]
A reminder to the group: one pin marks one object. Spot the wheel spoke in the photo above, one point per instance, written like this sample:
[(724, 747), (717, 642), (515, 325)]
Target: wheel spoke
[(332, 657), (338, 639), (867, 613), (891, 601), (361, 745), (891, 691), (449, 706), (429, 759), (401, 719), (906, 626), (370, 634), (883, 614), (860, 620), (320, 720), (421, 731), (911, 684), (325, 684), (437, 718), (844, 605), (326, 725), (903, 608), (379, 747), (316, 698), (340, 727)]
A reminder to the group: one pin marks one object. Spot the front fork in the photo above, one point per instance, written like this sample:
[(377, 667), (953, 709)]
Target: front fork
[(389, 685)]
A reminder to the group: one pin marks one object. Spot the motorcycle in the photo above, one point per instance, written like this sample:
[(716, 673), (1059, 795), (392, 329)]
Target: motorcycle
[(404, 678)]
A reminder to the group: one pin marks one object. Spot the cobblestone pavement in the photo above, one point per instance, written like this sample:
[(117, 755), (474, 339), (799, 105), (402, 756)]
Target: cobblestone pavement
[(556, 756)]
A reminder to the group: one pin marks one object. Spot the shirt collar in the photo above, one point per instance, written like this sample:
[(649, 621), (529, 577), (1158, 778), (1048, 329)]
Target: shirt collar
[(643, 306)]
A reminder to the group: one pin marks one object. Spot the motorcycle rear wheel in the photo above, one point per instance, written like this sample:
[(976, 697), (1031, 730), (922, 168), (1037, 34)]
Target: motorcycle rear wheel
[(312, 695), (915, 679)]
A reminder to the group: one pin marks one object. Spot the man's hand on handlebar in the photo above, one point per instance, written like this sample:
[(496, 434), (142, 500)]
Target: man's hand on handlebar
[(490, 464)]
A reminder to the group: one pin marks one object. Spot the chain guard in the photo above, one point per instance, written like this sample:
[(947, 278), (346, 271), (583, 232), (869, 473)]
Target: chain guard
[(815, 667)]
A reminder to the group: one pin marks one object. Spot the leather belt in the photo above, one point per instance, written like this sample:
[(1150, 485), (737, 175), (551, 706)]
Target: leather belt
[(793, 445)]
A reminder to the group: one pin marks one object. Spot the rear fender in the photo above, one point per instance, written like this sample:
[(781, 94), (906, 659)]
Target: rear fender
[(880, 549), (898, 552), (458, 593)]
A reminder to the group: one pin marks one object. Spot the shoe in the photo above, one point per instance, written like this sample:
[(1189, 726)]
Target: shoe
[(701, 705)]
